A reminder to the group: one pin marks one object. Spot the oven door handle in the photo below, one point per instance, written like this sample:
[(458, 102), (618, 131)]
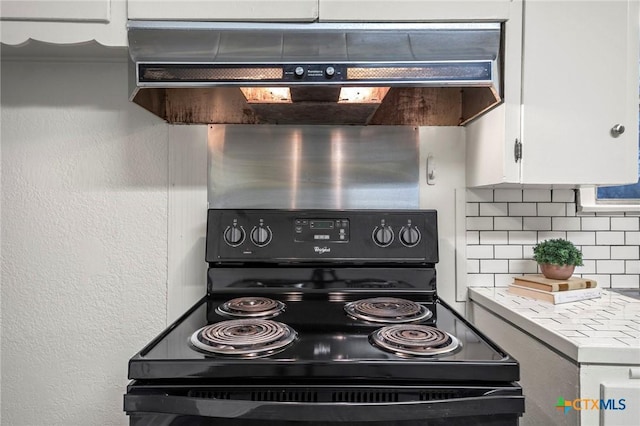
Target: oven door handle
[(342, 412)]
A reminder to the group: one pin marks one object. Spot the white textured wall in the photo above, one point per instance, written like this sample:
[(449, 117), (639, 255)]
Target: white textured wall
[(84, 240)]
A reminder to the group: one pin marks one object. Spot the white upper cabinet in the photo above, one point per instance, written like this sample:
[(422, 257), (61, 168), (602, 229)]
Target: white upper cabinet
[(580, 80), (225, 10), (64, 21), (322, 10), (413, 10), (579, 88)]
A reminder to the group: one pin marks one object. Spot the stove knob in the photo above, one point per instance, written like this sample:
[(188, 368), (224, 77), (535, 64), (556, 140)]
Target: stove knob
[(261, 235), (329, 72), (234, 235), (383, 235), (298, 71), (409, 236)]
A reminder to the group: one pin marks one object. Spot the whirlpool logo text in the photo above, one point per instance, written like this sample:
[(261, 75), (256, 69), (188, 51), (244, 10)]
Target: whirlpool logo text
[(566, 405), (322, 250)]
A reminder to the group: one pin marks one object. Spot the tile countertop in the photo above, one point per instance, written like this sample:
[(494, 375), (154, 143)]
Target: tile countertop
[(596, 331)]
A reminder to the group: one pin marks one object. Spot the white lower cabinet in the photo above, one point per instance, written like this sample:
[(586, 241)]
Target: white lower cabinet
[(578, 88), (544, 374), (618, 387), (547, 375)]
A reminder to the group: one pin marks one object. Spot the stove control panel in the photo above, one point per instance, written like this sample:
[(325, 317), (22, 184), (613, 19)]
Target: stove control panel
[(322, 236), (321, 230)]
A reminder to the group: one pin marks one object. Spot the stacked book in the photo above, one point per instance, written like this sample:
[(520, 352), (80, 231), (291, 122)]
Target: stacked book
[(555, 291)]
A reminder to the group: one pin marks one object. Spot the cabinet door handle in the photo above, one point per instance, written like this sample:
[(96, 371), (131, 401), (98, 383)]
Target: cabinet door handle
[(617, 130)]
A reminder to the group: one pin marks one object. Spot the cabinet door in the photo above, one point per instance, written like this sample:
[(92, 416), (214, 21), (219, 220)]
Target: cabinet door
[(225, 10), (412, 10), (492, 136), (51, 10), (63, 22), (580, 79)]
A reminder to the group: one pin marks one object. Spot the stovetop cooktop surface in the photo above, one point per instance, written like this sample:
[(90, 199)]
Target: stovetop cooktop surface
[(328, 344)]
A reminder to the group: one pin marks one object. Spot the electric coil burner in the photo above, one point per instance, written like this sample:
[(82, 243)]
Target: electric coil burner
[(361, 337), (414, 340), (251, 307), (387, 310), (250, 338)]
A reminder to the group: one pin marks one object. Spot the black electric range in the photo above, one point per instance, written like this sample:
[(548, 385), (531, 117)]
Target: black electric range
[(322, 318)]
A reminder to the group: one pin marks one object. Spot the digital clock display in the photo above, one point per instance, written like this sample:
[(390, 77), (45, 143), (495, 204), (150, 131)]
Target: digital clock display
[(321, 224), (321, 230)]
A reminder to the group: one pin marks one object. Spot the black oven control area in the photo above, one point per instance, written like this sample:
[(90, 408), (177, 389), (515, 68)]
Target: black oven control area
[(321, 236), (310, 230)]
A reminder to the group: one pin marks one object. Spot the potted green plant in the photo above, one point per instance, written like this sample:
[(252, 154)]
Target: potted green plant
[(557, 258)]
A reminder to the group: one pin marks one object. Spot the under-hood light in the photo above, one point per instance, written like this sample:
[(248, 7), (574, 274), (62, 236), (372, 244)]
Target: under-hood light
[(362, 95), (267, 95)]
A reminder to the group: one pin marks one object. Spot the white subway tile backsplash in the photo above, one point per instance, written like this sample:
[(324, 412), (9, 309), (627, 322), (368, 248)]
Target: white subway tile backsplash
[(589, 267), (494, 266), (536, 195), (522, 266), (503, 225), (625, 281), (632, 266), (610, 237), (595, 223), (503, 280), (625, 223), (473, 237), (552, 209), (632, 238), (507, 195), (473, 266), (473, 209), (480, 280), (551, 235), (565, 223), (563, 195), (604, 281), (479, 195), (522, 209), (480, 252), (610, 266), (522, 237), (507, 252), (493, 237), (582, 238), (596, 252), (527, 252), (625, 252), (493, 209), (507, 223), (479, 223), (537, 224)]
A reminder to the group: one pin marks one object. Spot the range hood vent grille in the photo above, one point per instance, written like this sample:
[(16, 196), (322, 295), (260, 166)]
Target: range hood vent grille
[(174, 61), (478, 72), (314, 53)]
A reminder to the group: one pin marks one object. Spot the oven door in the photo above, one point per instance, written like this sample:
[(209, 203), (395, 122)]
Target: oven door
[(322, 404)]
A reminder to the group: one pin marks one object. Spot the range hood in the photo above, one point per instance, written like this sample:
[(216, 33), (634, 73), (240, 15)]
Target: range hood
[(312, 73)]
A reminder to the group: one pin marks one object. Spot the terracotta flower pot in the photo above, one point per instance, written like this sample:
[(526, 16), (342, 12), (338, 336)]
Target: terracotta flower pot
[(557, 272)]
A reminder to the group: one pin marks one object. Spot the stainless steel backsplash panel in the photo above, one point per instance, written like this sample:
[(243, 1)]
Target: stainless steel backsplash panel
[(300, 167)]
